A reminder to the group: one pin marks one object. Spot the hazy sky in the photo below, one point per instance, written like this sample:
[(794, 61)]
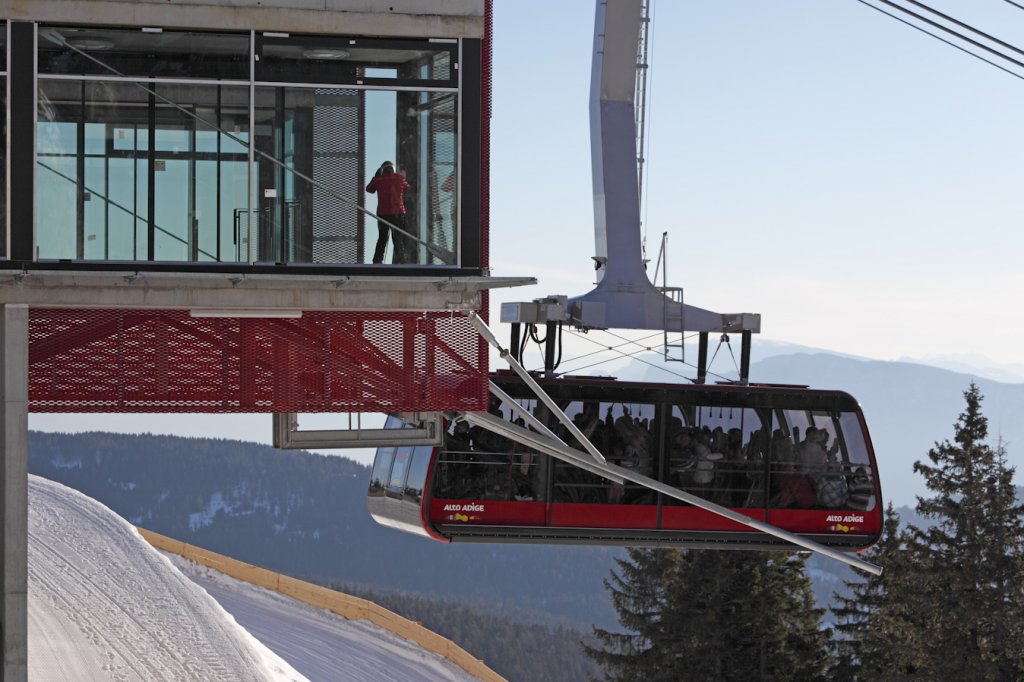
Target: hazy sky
[(856, 182), (853, 180)]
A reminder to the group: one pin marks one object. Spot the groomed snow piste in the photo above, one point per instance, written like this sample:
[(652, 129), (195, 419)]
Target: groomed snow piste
[(104, 605)]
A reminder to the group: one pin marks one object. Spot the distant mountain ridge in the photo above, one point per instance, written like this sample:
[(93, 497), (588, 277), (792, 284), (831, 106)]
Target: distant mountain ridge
[(975, 365)]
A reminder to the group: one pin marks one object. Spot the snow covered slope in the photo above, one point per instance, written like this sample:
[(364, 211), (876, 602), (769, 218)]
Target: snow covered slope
[(319, 644), (104, 605)]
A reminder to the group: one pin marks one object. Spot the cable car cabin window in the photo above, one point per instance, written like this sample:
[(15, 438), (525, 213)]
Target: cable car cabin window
[(396, 482), (381, 469), (857, 464), (819, 460), (625, 433), (400, 471), (417, 478), (717, 453), (477, 464)]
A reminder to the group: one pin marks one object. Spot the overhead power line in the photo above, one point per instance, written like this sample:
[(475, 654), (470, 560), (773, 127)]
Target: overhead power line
[(952, 32), (1014, 4), (954, 20)]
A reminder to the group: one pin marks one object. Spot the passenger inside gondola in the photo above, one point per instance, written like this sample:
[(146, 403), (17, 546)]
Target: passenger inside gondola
[(757, 452), (720, 454), (862, 490)]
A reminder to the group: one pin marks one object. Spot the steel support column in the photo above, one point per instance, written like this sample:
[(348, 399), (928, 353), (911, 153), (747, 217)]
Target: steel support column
[(702, 358), (745, 358), (14, 491)]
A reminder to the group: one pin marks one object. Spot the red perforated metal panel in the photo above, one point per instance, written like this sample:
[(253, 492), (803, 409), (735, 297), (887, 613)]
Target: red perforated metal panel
[(167, 361)]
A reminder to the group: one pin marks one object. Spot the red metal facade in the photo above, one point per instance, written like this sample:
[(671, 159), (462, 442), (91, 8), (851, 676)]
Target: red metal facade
[(167, 361)]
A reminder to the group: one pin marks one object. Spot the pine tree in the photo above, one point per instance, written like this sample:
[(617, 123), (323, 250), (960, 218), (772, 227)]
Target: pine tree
[(723, 615), (949, 604), (640, 593), (970, 557), (876, 639)]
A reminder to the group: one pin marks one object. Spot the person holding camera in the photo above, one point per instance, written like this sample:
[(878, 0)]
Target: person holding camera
[(389, 187)]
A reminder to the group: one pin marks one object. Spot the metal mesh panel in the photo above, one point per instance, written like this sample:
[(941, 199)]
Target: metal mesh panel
[(441, 66), (336, 165), (167, 361), (442, 159)]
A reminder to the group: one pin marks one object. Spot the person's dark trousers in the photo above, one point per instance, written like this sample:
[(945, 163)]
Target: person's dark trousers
[(404, 247), (383, 230)]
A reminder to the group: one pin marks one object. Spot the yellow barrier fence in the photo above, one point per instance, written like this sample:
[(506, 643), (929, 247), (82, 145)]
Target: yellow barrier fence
[(346, 606)]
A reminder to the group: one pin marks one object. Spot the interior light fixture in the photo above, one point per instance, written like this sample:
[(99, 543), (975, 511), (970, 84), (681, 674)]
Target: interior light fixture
[(90, 44), (276, 313), (325, 53)]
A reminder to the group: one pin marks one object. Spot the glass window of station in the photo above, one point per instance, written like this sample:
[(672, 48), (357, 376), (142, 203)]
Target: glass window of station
[(246, 148), (3, 132)]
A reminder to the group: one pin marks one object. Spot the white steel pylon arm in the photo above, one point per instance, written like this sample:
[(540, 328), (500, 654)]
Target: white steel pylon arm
[(624, 297)]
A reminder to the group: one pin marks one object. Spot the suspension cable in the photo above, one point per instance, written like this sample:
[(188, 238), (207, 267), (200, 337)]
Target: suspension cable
[(634, 356), (954, 20), (944, 40)]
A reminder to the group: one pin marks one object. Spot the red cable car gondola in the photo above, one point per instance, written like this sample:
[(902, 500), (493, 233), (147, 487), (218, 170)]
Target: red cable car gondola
[(795, 458)]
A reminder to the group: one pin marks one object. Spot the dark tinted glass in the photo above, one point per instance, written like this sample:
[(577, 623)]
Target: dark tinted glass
[(165, 54), (321, 59)]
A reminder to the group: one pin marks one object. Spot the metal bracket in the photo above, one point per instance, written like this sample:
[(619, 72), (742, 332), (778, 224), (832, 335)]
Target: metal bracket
[(428, 430)]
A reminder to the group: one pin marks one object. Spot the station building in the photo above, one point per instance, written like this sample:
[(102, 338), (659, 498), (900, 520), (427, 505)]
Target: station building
[(186, 206)]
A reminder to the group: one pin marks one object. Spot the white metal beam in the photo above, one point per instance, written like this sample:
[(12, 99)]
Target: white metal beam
[(398, 18), (288, 435), (154, 290)]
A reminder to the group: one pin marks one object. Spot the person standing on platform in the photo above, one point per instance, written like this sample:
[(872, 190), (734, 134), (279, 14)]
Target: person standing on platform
[(389, 187)]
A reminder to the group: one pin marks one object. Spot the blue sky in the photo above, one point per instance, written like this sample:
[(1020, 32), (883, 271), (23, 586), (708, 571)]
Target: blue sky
[(853, 180)]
